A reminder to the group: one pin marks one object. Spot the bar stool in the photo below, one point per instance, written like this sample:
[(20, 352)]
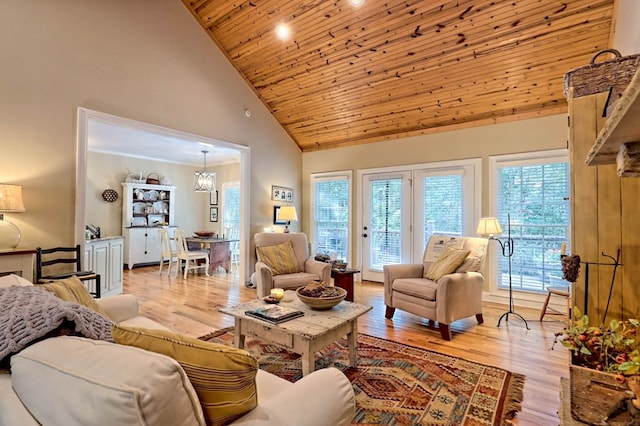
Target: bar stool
[(564, 292)]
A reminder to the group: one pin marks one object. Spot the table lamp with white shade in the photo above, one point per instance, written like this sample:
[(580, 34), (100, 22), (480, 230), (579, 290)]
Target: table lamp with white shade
[(10, 202), (287, 213)]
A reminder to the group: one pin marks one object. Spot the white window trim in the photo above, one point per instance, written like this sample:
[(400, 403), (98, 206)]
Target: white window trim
[(315, 177), (525, 299)]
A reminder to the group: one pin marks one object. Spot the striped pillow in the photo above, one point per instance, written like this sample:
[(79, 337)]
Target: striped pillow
[(280, 258), (224, 378)]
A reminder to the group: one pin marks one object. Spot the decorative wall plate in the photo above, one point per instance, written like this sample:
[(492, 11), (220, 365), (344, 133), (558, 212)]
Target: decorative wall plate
[(109, 195)]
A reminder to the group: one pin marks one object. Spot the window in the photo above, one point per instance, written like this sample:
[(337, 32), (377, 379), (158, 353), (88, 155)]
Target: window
[(231, 205), (446, 200), (442, 205), (531, 195), (331, 213)]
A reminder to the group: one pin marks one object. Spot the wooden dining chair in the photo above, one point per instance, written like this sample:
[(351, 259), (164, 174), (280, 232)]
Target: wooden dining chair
[(59, 263), (192, 258), (168, 251)]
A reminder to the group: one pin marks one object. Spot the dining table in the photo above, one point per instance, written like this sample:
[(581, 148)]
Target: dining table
[(219, 250)]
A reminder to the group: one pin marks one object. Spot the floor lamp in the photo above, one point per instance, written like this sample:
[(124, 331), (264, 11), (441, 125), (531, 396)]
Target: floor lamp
[(490, 226)]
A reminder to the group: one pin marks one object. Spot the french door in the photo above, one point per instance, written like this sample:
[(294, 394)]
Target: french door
[(402, 209), (386, 222)]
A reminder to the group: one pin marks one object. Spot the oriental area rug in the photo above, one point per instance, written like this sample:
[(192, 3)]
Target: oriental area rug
[(398, 384)]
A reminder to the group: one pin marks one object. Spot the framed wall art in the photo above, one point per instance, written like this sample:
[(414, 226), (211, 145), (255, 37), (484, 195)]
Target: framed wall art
[(281, 193), (213, 198), (275, 217), (213, 214)]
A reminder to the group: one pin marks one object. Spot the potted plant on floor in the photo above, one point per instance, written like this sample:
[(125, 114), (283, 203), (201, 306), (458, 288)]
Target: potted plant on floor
[(605, 362)]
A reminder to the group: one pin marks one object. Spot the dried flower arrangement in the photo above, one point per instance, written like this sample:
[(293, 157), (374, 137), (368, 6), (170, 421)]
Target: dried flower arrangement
[(614, 348)]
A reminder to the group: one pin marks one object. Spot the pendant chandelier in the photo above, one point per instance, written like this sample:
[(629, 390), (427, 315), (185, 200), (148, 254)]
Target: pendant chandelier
[(204, 181)]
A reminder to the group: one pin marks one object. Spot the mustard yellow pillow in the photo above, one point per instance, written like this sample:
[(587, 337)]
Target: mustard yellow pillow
[(72, 290), (224, 378), (280, 258), (448, 261)]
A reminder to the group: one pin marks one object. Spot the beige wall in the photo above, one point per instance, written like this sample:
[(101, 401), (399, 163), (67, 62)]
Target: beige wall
[(506, 138), (627, 35), (146, 60), (192, 208)]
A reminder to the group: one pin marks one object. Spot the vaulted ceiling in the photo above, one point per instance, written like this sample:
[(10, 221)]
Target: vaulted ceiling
[(395, 68)]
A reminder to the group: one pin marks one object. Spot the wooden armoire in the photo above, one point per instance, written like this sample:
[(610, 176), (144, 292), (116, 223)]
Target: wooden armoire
[(605, 201)]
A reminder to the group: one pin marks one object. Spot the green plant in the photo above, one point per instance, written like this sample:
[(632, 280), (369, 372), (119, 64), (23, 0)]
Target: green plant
[(613, 348)]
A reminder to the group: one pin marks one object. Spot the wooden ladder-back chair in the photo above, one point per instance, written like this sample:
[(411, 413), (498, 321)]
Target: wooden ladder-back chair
[(190, 257), (168, 251), (55, 263)]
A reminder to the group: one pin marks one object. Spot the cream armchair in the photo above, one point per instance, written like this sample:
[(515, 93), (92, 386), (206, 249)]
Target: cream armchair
[(449, 298), (274, 257)]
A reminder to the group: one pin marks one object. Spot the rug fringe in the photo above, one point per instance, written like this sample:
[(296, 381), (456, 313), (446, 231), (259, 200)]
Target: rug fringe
[(514, 398), (217, 333)]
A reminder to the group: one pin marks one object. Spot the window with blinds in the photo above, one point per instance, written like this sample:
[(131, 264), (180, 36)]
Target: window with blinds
[(331, 215), (443, 203), (231, 206), (534, 196)]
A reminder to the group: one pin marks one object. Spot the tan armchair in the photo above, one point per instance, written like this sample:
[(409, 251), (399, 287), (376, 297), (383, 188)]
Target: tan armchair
[(452, 297), (306, 268)]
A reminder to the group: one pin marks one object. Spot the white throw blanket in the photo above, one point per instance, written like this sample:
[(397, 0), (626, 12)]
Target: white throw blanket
[(28, 313)]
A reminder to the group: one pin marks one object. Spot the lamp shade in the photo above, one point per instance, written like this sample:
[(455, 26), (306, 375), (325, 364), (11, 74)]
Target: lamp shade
[(287, 213), (489, 226), (11, 198)]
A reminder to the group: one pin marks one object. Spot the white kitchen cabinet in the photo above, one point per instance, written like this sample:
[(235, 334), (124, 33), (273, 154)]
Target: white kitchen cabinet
[(141, 245), (145, 208), (105, 256)]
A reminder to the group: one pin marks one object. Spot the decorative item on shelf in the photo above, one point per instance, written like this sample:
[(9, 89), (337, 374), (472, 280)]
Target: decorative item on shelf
[(10, 202), (490, 226), (204, 181), (153, 179), (286, 214), (135, 177), (109, 195)]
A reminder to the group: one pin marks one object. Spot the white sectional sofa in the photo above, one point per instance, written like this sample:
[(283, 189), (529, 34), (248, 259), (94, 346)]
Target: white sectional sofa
[(72, 379)]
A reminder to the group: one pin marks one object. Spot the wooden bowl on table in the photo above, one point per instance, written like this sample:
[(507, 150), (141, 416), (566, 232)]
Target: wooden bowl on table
[(204, 234), (322, 303)]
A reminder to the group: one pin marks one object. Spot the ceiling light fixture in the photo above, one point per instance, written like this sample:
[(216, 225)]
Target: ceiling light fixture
[(283, 32), (204, 181), (356, 3)]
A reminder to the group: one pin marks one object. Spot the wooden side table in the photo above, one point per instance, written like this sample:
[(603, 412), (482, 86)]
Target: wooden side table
[(18, 261), (343, 278)]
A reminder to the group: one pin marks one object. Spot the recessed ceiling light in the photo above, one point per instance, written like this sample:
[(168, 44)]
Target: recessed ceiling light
[(356, 2), (282, 32)]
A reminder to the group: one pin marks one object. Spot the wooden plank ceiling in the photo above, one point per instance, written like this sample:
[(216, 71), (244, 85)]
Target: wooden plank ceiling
[(395, 68)]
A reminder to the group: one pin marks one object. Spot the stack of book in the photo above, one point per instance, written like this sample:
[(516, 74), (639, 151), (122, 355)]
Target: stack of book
[(274, 314)]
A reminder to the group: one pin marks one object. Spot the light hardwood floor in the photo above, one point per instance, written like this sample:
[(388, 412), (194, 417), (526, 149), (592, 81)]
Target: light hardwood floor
[(191, 306)]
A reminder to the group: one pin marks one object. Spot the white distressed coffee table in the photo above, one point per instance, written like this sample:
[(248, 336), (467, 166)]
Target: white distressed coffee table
[(305, 335)]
